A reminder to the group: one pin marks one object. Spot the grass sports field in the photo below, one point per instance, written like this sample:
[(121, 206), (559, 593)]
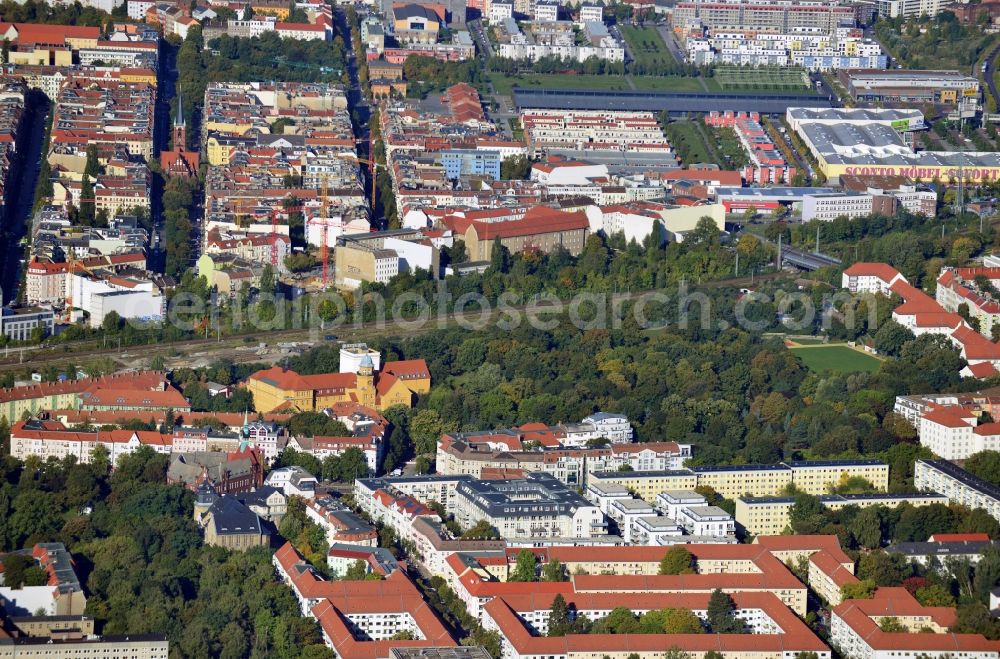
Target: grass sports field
[(790, 79), (836, 358)]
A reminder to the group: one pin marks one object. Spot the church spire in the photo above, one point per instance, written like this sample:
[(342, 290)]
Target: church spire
[(179, 117)]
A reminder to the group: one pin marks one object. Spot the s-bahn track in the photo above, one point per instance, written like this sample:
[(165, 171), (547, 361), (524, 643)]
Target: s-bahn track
[(80, 351)]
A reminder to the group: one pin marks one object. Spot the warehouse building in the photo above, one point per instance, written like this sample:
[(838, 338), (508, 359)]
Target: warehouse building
[(912, 87), (870, 148)]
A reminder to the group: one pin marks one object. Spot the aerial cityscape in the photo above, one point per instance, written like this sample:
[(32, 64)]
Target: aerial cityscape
[(500, 329)]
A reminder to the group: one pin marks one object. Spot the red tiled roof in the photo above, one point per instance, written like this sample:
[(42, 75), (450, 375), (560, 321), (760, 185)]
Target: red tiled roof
[(959, 537), (862, 615), (538, 220)]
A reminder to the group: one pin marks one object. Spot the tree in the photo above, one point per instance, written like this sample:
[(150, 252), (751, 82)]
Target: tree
[(515, 168), (620, 620), (499, 257), (867, 528), (15, 569), (268, 283), (675, 652), (681, 621), (704, 234), (987, 575), (891, 337), (482, 530), (975, 618), (524, 568), (985, 465), (559, 623), (935, 595), (859, 590), (806, 514), (313, 424), (554, 571), (722, 614), (892, 625), (87, 214), (883, 569), (677, 560)]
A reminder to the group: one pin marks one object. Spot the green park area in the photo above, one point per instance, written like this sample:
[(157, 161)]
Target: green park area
[(836, 358), (762, 79), (649, 52)]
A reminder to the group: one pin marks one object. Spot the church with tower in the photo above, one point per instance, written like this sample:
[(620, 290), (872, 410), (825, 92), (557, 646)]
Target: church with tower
[(179, 161)]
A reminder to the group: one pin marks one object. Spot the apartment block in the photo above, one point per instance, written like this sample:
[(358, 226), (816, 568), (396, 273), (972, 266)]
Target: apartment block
[(830, 206), (556, 39), (812, 50), (769, 515), (734, 481), (558, 450), (961, 286), (856, 631), (594, 131), (957, 485), (359, 619), (536, 506), (756, 17), (33, 398)]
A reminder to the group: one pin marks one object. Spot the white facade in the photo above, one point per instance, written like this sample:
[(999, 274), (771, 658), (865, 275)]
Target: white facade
[(626, 513), (80, 446), (137, 9), (501, 10), (870, 278), (672, 502), (411, 255), (293, 480), (138, 300), (615, 427), (957, 436), (707, 521), (959, 486), (827, 207)]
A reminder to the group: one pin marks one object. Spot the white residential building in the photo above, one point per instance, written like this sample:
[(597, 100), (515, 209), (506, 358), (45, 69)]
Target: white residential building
[(955, 433), (293, 481), (827, 207), (958, 485), (537, 506), (871, 278), (707, 521)]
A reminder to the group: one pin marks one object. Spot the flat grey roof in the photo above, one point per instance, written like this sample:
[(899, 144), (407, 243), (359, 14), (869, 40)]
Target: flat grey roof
[(853, 114), (878, 144), (674, 102)]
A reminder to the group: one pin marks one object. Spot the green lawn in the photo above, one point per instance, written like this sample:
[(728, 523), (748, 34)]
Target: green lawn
[(763, 79), (838, 358), (673, 84), (688, 142), (647, 48)]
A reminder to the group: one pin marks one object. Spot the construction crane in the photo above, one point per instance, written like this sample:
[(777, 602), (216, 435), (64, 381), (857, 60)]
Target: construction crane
[(372, 168), (324, 250)]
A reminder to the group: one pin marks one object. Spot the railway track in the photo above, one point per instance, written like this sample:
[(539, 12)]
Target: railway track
[(80, 351)]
